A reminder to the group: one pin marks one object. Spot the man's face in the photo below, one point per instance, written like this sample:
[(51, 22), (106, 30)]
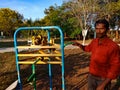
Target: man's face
[(100, 30)]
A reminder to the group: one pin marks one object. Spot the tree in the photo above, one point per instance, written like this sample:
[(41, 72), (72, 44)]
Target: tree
[(60, 16), (88, 11), (9, 21), (83, 11), (113, 15)]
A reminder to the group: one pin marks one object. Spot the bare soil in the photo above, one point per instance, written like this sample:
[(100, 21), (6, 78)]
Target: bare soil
[(76, 72)]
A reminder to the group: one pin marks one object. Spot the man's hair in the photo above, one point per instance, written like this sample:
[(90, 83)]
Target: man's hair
[(103, 21)]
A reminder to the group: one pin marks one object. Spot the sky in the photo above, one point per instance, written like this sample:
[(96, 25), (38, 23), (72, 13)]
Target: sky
[(33, 9)]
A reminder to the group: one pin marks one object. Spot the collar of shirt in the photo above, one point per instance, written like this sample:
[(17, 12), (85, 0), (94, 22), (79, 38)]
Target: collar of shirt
[(102, 41)]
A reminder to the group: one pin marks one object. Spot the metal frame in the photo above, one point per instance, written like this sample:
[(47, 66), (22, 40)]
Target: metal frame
[(48, 28)]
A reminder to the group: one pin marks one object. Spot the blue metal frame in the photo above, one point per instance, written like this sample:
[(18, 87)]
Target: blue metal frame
[(61, 46), (50, 66)]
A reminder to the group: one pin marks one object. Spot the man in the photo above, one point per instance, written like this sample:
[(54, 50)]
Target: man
[(104, 62)]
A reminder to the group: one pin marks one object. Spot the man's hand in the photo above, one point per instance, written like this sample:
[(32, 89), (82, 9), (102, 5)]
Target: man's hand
[(103, 84), (100, 87), (79, 45), (76, 44)]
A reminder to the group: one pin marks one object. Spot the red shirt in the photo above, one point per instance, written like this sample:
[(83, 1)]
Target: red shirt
[(105, 60)]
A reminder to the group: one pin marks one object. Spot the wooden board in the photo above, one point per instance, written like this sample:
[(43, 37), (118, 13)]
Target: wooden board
[(40, 62), (41, 55), (39, 47)]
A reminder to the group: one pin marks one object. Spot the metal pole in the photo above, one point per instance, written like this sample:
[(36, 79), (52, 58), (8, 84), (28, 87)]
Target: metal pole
[(17, 65), (34, 78), (49, 65)]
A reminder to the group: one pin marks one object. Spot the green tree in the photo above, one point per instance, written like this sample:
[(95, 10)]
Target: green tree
[(60, 16), (113, 15), (87, 12), (9, 21)]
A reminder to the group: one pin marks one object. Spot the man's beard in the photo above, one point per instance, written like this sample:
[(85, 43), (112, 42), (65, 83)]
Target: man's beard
[(99, 35)]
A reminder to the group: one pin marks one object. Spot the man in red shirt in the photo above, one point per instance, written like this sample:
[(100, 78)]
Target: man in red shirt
[(104, 61)]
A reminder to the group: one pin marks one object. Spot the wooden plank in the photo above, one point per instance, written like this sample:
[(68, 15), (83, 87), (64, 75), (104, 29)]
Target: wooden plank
[(41, 55), (40, 62), (58, 58), (39, 47), (41, 52), (58, 45), (57, 52), (43, 58)]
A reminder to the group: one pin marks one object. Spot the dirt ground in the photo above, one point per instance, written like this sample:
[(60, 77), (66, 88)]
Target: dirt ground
[(76, 71)]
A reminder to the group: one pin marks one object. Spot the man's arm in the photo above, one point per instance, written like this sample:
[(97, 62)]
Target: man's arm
[(113, 69), (79, 45)]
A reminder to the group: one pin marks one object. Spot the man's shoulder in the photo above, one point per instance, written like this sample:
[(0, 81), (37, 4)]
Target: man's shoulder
[(112, 43)]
